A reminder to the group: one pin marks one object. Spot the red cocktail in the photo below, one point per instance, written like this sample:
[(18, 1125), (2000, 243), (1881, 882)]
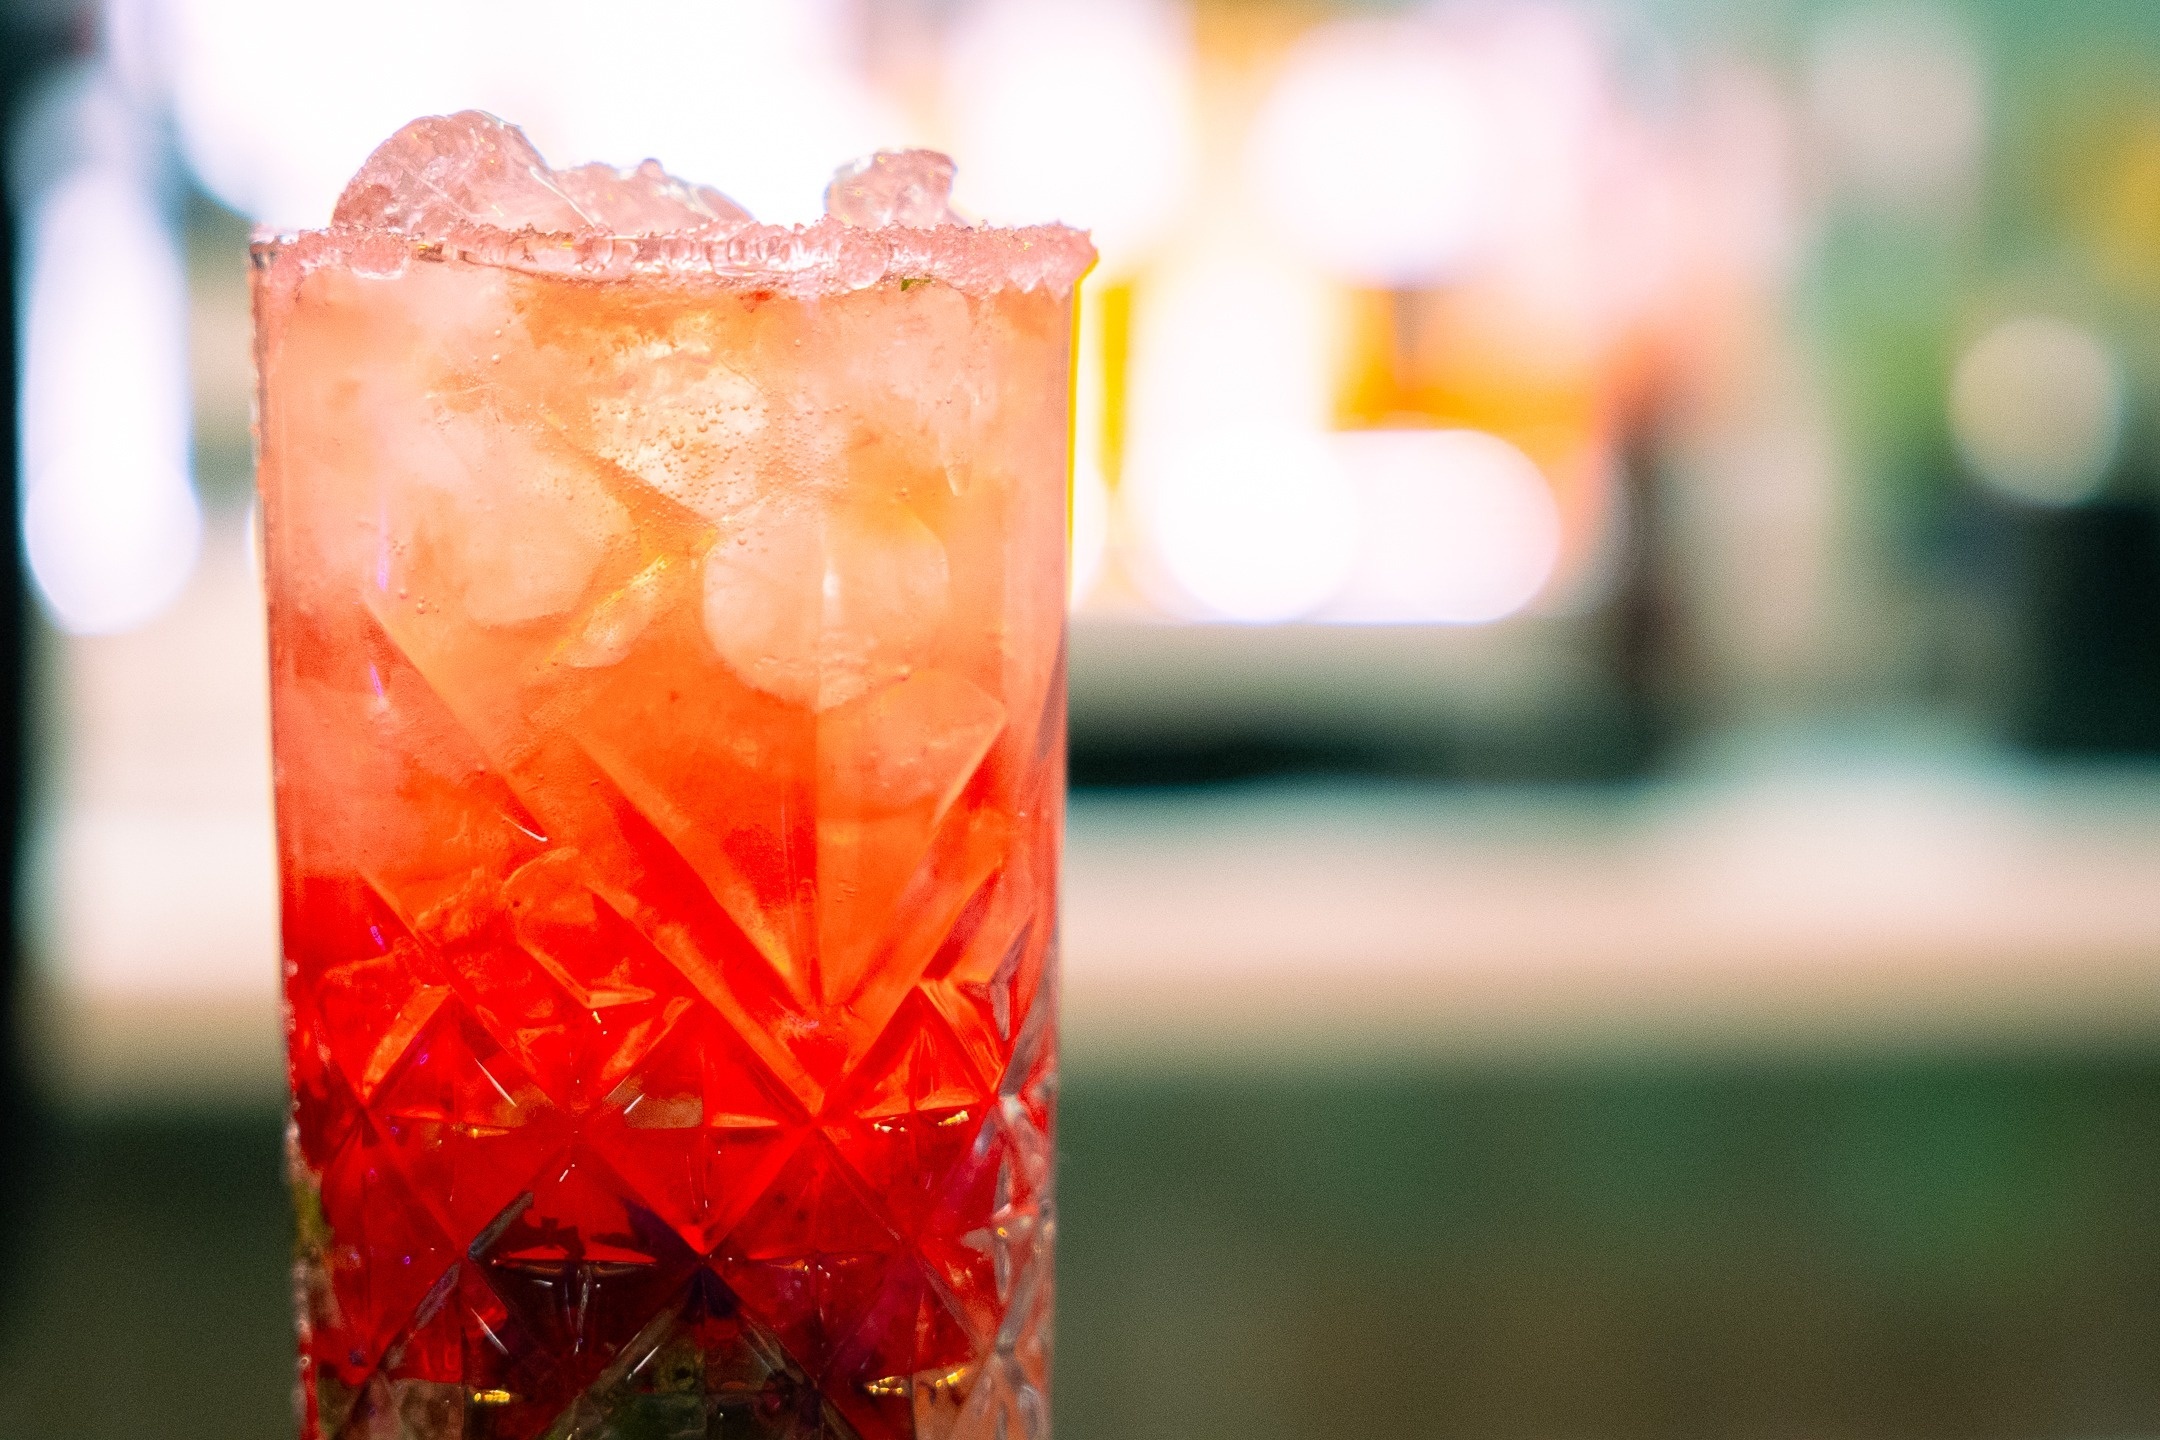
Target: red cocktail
[(666, 620)]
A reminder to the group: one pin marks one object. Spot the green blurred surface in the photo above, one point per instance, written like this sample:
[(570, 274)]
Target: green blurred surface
[(1917, 1247)]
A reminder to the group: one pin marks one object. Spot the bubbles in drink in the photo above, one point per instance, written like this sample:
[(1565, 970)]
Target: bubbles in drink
[(687, 423)]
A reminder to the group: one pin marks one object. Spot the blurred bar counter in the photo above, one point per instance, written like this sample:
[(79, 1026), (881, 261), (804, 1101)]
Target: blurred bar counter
[(1795, 900), (1878, 896)]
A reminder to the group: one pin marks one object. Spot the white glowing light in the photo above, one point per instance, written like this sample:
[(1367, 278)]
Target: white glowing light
[(2036, 409), (1458, 527), (753, 96), (278, 104), (1250, 524), (1371, 152), (1238, 505), (1076, 110), (1090, 535), (1089, 540), (110, 521), (1227, 338)]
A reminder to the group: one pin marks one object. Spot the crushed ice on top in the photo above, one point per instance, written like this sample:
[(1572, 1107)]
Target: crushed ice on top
[(472, 169), (893, 187), (473, 184), (822, 600), (447, 170), (646, 200)]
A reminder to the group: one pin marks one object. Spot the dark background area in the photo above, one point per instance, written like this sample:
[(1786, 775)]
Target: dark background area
[(24, 49)]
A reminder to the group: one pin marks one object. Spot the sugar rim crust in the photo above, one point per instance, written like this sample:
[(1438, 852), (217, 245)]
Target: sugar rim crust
[(829, 257)]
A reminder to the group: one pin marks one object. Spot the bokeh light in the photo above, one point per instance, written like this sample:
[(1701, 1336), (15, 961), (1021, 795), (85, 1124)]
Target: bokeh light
[(1373, 152), (1075, 110), (757, 97), (1458, 527), (276, 106), (1253, 524), (1898, 96), (110, 521), (2036, 410), (1090, 532)]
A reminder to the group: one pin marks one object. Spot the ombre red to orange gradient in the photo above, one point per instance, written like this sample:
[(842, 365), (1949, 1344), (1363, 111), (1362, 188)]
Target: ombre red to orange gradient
[(668, 709)]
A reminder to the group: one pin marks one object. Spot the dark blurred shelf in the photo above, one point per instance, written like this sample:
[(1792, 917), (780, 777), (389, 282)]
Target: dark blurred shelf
[(1157, 704)]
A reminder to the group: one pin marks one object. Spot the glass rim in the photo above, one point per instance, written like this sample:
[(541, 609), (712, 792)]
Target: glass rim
[(826, 257)]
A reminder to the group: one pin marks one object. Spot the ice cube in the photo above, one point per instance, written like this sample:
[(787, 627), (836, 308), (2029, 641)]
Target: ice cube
[(819, 605), (443, 171), (513, 529), (533, 557), (683, 422), (646, 200), (915, 740), (893, 187), (615, 623)]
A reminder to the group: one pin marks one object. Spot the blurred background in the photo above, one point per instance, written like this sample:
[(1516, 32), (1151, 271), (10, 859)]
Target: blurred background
[(1614, 881)]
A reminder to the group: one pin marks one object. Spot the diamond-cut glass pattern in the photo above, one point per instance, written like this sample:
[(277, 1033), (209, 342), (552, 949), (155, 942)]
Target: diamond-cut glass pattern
[(666, 1237), (550, 1189), (669, 713), (696, 1254)]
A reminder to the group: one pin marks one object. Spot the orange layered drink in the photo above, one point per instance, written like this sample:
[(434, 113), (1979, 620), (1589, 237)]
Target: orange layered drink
[(666, 628)]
